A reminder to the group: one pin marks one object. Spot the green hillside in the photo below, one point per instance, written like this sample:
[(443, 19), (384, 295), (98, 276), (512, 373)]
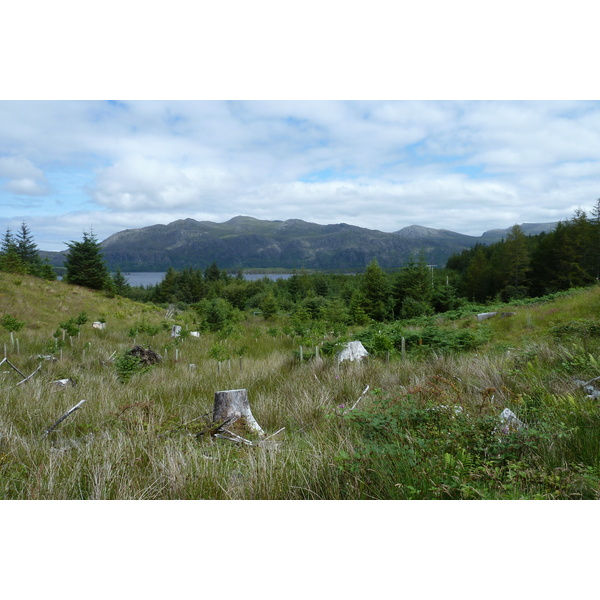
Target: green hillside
[(418, 419)]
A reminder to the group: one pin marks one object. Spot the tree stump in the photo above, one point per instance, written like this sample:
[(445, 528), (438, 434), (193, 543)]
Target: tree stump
[(234, 403)]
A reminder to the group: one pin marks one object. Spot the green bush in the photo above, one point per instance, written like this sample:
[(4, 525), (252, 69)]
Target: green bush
[(11, 324), (413, 448), (577, 328), (128, 365)]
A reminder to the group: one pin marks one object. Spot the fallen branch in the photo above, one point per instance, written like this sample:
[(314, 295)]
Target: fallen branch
[(273, 434), (359, 399), (591, 390), (5, 360), (70, 411), (191, 421), (590, 381), (26, 378), (236, 437), (214, 429)]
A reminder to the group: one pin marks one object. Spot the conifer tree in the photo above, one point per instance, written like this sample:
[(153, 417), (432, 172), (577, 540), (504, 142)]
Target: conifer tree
[(358, 315), (212, 273), (121, 286), (570, 249), (516, 263), (375, 292), (166, 290), (85, 264), (8, 242), (476, 279), (47, 272), (269, 306), (10, 260), (596, 240), (27, 250), (413, 289)]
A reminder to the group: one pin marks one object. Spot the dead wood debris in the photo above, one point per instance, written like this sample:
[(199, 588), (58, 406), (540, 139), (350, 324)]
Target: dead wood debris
[(146, 355)]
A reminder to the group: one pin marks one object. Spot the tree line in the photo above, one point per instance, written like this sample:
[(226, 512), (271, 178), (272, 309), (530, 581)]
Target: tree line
[(19, 254), (523, 266), (517, 267)]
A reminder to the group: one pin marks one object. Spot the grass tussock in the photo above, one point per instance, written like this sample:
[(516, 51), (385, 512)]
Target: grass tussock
[(428, 428)]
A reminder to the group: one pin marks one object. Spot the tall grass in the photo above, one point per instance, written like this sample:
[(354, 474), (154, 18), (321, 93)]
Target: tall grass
[(137, 439)]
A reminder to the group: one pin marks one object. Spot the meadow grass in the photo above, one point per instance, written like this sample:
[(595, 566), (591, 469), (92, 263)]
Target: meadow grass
[(136, 439)]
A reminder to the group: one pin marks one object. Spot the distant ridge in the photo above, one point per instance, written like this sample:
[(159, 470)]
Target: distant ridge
[(246, 242)]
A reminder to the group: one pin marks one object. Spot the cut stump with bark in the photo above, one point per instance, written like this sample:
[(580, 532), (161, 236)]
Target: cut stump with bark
[(234, 404)]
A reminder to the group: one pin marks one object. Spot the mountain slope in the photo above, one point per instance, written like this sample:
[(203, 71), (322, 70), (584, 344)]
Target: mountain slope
[(245, 242)]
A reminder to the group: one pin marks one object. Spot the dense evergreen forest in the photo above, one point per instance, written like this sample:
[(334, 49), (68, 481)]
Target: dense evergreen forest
[(518, 267), (530, 266)]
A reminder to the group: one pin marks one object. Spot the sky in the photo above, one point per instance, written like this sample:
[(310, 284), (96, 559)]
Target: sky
[(467, 166)]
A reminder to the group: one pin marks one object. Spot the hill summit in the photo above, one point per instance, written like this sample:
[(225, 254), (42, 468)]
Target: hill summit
[(245, 242)]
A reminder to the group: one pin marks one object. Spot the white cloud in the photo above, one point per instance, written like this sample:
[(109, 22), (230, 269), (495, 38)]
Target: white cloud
[(141, 183), (25, 187), (23, 178)]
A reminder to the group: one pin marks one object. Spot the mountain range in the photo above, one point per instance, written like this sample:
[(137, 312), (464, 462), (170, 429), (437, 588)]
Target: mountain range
[(249, 243)]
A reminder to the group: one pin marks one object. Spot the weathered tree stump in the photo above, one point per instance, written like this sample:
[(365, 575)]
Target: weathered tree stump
[(234, 404)]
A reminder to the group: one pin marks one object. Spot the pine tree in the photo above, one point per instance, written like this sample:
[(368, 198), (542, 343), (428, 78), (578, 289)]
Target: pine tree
[(47, 272), (571, 246), (374, 289), (121, 286), (269, 306), (596, 240), (27, 250), (166, 290), (10, 260), (413, 289), (516, 263), (8, 242), (85, 265), (212, 273), (476, 279), (358, 314)]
